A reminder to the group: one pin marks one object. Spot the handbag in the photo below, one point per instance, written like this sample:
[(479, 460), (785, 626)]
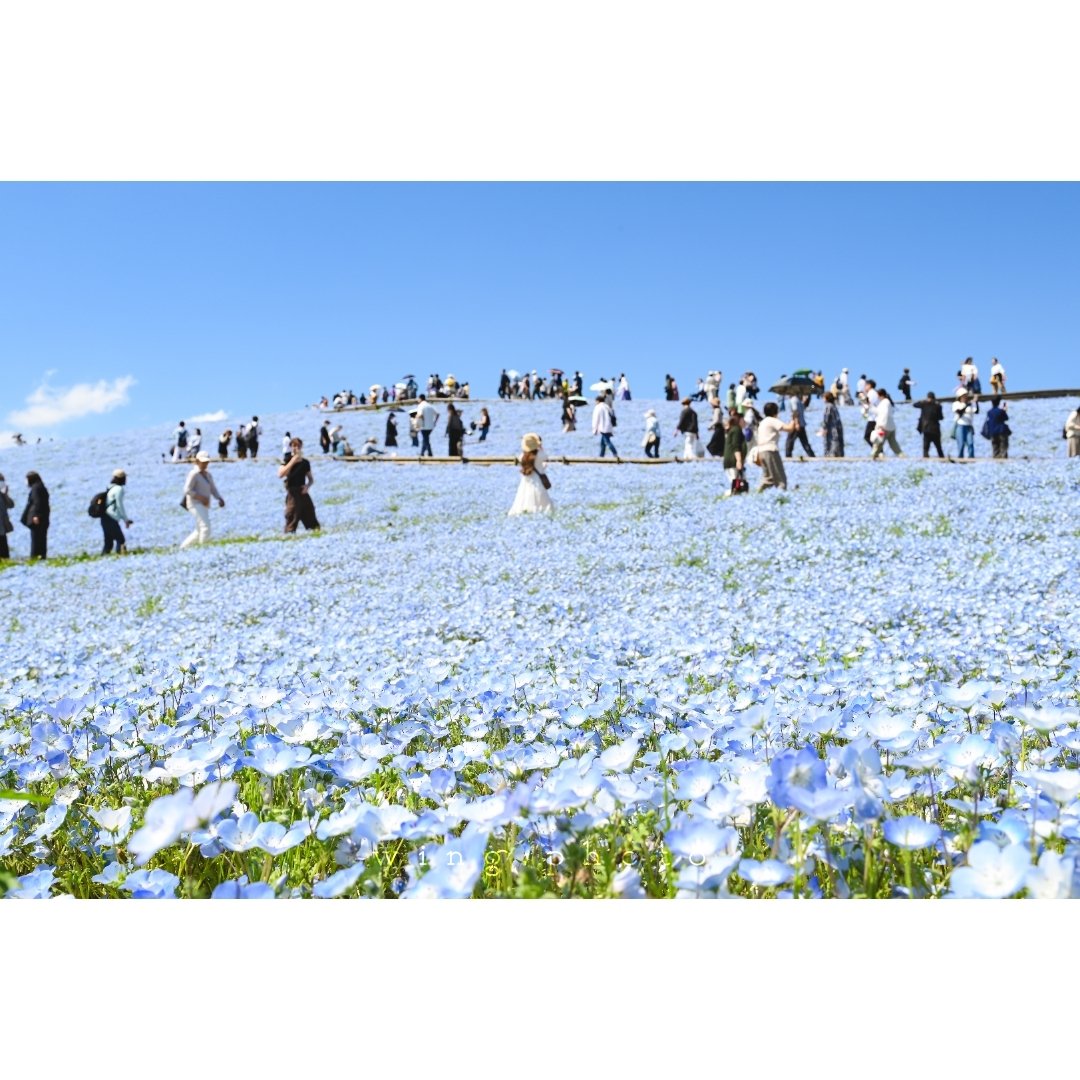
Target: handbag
[(544, 480)]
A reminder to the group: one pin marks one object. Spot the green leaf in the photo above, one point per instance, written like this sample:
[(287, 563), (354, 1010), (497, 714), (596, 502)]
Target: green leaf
[(26, 796)]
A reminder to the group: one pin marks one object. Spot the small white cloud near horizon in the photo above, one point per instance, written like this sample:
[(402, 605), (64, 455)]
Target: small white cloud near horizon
[(51, 405), (209, 417)]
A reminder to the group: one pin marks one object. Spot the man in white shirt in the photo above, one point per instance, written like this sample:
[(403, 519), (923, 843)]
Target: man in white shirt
[(602, 426), (426, 418)]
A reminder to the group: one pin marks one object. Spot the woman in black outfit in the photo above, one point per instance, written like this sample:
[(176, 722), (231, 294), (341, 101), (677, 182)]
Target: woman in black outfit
[(36, 515), (455, 430), (930, 417), (391, 430)]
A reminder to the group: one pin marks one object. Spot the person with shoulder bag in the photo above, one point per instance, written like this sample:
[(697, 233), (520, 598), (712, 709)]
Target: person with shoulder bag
[(532, 493)]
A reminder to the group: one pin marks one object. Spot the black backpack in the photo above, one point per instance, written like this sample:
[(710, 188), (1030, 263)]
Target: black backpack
[(97, 504), (181, 438)]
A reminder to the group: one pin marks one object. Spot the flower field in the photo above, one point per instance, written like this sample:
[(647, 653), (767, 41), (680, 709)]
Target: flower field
[(866, 686)]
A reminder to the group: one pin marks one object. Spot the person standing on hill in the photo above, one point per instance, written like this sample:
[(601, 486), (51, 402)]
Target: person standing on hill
[(532, 493), (767, 447), (36, 516), (455, 430), (298, 477), (798, 410), (997, 377), (6, 503), (254, 431), (964, 410), (651, 439), (1071, 431), (241, 442), (904, 385), (833, 427), (688, 428), (969, 376), (180, 442), (114, 514), (391, 430), (735, 453), (198, 488), (485, 423), (870, 396), (426, 419), (996, 428), (602, 425), (929, 426), (324, 437), (223, 444), (884, 427)]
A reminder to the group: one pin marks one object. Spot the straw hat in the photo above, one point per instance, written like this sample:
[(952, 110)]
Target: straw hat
[(530, 442)]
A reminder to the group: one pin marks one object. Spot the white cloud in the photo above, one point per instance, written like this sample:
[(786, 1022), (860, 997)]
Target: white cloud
[(209, 417), (50, 405)]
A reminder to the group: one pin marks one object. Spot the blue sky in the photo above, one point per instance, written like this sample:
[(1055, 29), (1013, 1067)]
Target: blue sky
[(152, 302)]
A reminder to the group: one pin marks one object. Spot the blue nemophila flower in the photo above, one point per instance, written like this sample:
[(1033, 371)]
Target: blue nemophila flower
[(1054, 878), (620, 757), (151, 885), (790, 769), (37, 885), (115, 824), (171, 815), (113, 874), (52, 819), (1061, 785), (767, 872), (696, 840), (1047, 719), (454, 868), (241, 889), (991, 873), (911, 833), (696, 779)]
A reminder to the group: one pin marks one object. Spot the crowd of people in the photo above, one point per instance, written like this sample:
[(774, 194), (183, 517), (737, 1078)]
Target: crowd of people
[(407, 389), (187, 443), (738, 433)]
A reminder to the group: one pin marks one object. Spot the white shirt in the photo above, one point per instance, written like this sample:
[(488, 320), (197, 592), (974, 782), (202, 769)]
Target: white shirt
[(997, 369), (872, 397), (965, 411), (426, 416), (601, 419), (884, 415), (768, 433)]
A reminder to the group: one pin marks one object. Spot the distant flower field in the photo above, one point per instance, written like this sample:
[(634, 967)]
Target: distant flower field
[(866, 686)]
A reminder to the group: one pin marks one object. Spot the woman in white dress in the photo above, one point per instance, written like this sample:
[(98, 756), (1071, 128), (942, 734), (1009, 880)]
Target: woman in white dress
[(532, 496)]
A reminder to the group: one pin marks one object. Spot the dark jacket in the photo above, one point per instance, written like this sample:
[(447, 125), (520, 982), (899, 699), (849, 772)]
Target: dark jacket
[(688, 421), (37, 506), (930, 417), (997, 422), (391, 430), (734, 442), (455, 429)]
